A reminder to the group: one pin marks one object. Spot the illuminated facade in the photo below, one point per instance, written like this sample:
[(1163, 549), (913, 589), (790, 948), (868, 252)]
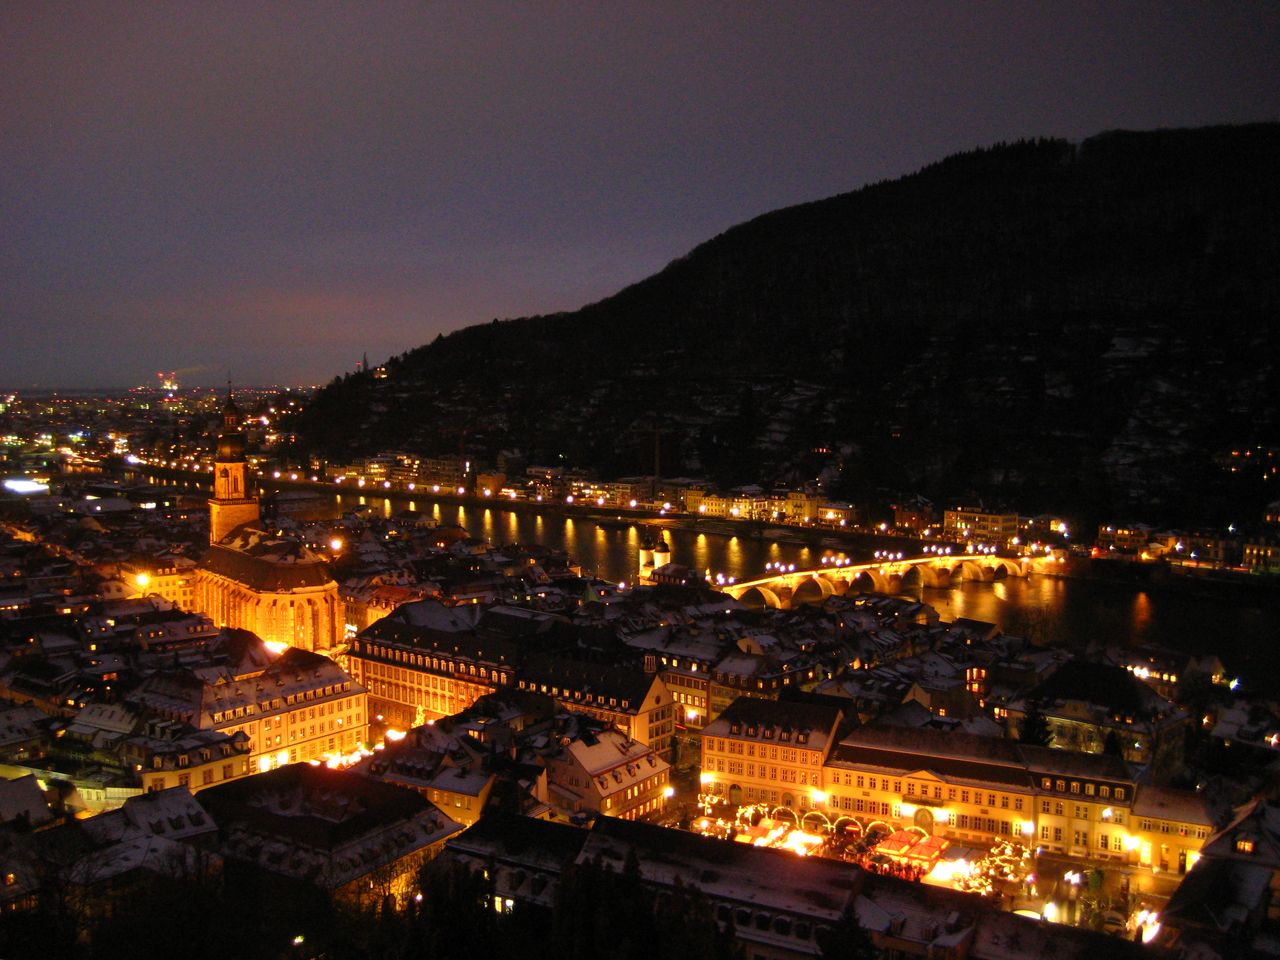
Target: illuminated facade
[(609, 773), (251, 580), (980, 526), (174, 581), (415, 675), (762, 751), (233, 504), (175, 755), (979, 790), (637, 703), (275, 587), (294, 708)]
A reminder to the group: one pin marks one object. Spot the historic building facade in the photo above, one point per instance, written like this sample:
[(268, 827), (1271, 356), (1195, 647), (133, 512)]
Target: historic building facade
[(253, 580)]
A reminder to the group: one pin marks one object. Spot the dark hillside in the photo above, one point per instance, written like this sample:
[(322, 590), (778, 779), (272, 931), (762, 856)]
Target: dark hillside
[(1073, 328)]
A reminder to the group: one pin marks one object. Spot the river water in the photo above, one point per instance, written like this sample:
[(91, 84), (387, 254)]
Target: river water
[(1244, 633)]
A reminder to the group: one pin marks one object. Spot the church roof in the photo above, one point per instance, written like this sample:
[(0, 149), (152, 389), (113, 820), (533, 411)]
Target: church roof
[(266, 563)]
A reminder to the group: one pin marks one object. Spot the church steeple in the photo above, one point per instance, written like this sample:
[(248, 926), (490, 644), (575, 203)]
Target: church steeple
[(231, 505)]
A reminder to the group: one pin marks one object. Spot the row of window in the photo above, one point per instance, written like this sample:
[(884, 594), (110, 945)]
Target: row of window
[(1103, 791), (767, 731), (420, 661), (782, 774), (783, 754)]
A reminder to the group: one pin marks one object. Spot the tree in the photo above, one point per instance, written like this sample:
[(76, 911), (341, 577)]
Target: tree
[(1111, 746), (847, 940), (1034, 728)]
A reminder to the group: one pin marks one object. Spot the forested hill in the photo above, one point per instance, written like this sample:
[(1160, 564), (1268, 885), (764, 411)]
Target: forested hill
[(1074, 327)]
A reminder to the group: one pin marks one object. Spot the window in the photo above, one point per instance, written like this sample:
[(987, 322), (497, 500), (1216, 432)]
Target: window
[(1075, 786), (1104, 792), (1044, 833), (1244, 845), (1119, 793)]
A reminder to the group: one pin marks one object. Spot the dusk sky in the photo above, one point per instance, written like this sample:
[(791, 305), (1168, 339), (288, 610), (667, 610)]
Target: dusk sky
[(274, 189)]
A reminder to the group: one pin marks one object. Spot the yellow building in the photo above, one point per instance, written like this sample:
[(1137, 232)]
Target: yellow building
[(254, 580), (763, 751), (415, 675), (275, 587), (1172, 826), (977, 790), (169, 754), (174, 579), (293, 708), (976, 525), (233, 503), (608, 772), (638, 704)]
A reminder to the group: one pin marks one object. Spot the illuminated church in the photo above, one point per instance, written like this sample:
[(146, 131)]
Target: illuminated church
[(254, 578)]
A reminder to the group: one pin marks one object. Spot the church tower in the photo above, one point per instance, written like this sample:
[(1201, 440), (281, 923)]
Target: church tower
[(231, 504)]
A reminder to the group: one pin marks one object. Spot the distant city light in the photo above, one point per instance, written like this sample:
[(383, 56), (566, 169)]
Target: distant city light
[(23, 487)]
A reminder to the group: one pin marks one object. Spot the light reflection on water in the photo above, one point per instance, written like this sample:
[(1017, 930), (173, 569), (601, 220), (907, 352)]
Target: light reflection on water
[(1082, 611)]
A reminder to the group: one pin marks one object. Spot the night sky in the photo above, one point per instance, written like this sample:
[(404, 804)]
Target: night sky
[(275, 189)]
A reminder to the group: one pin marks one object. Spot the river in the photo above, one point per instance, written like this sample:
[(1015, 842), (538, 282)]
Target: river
[(1244, 633)]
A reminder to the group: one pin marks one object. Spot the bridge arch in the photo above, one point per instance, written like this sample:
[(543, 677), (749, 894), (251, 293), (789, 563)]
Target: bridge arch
[(760, 597), (1010, 568), (967, 570), (920, 575), (811, 590), (868, 581)]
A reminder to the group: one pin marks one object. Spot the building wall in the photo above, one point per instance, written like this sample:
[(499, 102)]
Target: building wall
[(745, 771), (409, 686), (301, 729), (197, 776), (311, 618), (994, 529)]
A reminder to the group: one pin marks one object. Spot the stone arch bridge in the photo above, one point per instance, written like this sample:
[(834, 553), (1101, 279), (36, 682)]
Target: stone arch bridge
[(794, 588)]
